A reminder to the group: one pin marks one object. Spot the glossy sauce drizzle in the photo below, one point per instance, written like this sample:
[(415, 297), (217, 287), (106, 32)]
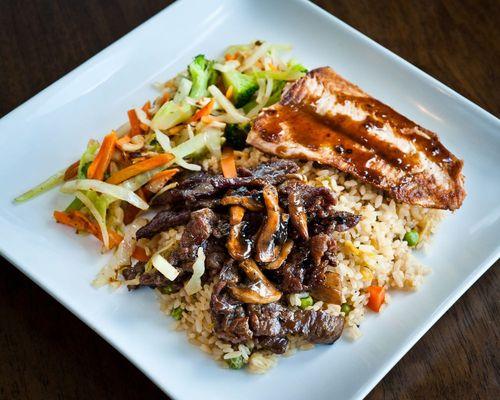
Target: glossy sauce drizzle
[(356, 142)]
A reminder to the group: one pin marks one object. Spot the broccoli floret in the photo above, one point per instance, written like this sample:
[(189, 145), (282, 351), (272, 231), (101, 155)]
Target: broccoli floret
[(236, 135), (244, 86), (202, 74)]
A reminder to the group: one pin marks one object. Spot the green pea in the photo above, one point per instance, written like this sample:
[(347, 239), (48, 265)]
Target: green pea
[(346, 308), (167, 289), (411, 237), (235, 362), (306, 302), (176, 313)]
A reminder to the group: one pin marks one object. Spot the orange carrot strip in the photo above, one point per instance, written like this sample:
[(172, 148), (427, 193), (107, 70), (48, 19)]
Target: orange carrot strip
[(146, 107), (135, 125), (71, 171), (114, 238), (137, 168), (230, 57), (377, 297), (160, 179), (93, 228), (68, 219), (206, 110), (140, 254), (167, 174), (80, 222), (103, 158), (227, 163), (164, 98)]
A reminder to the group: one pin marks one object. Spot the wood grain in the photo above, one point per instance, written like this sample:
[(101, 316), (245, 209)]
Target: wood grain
[(47, 353)]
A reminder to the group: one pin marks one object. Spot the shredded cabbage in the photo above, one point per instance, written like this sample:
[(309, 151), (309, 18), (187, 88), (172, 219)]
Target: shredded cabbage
[(164, 141), (43, 187), (122, 255), (118, 192), (186, 165), (228, 66), (210, 137), (164, 267), (262, 101), (183, 90), (101, 221), (294, 72), (171, 114), (257, 54), (238, 47), (194, 284), (223, 101)]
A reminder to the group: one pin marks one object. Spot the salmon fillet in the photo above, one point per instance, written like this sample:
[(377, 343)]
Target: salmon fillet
[(323, 117)]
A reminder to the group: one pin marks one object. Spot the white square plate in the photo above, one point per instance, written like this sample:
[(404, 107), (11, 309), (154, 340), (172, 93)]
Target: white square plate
[(49, 132)]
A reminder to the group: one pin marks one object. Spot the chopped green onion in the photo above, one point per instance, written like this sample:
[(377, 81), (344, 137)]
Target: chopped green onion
[(176, 313), (411, 237), (235, 362), (43, 187), (306, 302)]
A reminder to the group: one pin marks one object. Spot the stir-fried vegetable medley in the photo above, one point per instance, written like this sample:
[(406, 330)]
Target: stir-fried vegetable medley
[(208, 105)]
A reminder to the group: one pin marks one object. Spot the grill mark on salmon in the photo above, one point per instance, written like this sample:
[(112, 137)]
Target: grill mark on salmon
[(324, 118)]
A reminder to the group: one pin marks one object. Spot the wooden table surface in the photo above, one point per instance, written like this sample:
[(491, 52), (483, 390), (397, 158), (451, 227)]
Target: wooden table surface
[(47, 353)]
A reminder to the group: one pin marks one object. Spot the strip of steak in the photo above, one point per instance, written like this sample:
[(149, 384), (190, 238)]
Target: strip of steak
[(162, 221)]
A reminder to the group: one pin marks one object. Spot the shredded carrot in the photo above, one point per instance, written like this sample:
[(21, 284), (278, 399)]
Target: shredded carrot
[(227, 163), (140, 167), (167, 174), (204, 111), (79, 221), (67, 219), (229, 92), (135, 125), (377, 297), (272, 67), (164, 98), (140, 254), (103, 158), (160, 179), (146, 107), (144, 127), (230, 57), (71, 171)]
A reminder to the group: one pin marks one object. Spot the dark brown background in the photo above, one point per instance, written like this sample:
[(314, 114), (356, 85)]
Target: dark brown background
[(47, 353)]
